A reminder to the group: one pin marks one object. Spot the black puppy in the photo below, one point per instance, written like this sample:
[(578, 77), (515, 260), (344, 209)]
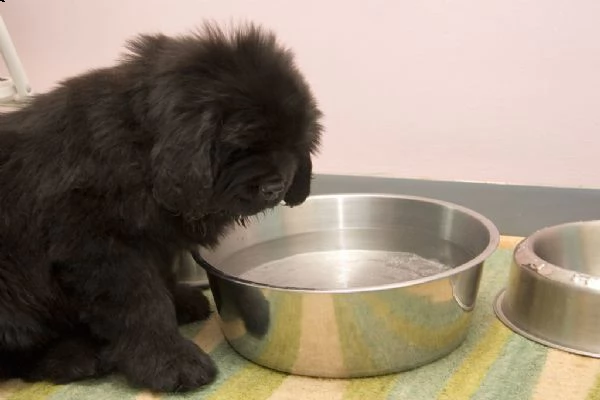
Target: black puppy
[(107, 178)]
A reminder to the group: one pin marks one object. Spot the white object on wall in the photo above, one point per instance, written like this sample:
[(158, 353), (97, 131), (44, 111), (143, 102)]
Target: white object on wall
[(14, 90)]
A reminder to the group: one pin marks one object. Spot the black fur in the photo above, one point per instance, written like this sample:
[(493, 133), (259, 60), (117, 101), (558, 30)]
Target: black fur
[(107, 178)]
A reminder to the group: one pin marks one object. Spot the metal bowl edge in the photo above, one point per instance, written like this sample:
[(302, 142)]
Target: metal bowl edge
[(505, 319)]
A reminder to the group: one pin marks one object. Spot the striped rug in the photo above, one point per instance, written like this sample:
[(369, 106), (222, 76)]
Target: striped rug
[(492, 364)]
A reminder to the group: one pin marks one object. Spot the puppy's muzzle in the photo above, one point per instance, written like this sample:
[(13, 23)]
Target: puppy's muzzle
[(272, 190)]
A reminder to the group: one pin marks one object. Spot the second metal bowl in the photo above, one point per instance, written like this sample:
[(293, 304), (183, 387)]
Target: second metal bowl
[(553, 292)]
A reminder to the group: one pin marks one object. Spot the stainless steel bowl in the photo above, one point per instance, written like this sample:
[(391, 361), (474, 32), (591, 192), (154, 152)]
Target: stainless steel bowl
[(553, 292), (189, 272), (330, 288)]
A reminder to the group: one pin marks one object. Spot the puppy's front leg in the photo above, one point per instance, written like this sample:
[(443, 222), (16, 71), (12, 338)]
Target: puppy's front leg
[(125, 301), (190, 304)]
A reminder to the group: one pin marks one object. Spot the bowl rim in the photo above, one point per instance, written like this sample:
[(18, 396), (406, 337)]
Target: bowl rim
[(493, 243), (524, 256)]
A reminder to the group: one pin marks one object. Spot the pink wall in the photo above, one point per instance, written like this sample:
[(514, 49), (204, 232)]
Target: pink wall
[(496, 90)]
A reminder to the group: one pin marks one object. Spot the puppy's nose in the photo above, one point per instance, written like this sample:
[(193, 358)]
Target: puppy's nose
[(271, 190)]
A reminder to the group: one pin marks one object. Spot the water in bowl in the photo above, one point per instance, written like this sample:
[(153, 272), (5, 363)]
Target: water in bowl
[(344, 269), (360, 258)]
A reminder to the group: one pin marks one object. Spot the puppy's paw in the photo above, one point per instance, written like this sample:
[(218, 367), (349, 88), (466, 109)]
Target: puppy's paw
[(191, 304), (64, 371), (70, 360), (179, 367)]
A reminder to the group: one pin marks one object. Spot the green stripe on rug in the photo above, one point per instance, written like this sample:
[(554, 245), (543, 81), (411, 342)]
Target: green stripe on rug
[(522, 361), (468, 377)]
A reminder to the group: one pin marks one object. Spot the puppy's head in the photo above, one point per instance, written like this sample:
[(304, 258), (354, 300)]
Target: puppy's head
[(235, 121)]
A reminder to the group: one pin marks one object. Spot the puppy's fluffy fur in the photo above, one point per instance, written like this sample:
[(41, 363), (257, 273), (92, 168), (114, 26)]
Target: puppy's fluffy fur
[(107, 178)]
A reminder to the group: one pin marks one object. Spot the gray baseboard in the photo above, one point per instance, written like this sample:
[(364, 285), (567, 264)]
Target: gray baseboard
[(516, 210)]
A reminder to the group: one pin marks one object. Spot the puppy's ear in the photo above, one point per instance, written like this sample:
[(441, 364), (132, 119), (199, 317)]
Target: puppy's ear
[(182, 169), (300, 187)]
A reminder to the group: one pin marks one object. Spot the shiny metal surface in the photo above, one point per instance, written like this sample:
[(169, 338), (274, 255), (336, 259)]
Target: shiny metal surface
[(553, 291), (345, 311), (189, 272)]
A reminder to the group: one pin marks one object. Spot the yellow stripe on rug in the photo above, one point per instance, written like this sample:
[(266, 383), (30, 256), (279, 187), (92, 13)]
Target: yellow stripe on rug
[(319, 342), (237, 387), (594, 393), (566, 376), (509, 242), (299, 387), (147, 396), (468, 377), (371, 388), (36, 391), (209, 336)]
